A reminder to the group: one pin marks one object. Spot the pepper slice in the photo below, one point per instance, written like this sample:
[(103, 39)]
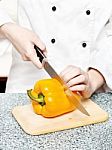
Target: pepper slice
[(50, 98)]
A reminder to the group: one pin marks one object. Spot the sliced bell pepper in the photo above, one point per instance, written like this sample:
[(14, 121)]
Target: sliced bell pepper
[(50, 98)]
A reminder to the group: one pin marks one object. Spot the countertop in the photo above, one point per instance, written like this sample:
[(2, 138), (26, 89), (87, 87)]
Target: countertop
[(91, 137)]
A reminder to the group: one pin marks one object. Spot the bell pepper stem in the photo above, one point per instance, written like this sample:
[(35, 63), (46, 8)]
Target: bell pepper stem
[(39, 98)]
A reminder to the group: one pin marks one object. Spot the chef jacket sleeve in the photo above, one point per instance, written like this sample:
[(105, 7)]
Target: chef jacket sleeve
[(4, 43), (4, 17), (101, 55)]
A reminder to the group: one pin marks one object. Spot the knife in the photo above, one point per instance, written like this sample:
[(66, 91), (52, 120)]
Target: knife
[(49, 69)]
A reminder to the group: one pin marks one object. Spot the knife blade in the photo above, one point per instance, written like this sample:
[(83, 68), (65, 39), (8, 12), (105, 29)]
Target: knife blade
[(53, 74)]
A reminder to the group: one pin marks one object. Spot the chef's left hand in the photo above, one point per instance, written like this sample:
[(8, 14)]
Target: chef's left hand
[(77, 80)]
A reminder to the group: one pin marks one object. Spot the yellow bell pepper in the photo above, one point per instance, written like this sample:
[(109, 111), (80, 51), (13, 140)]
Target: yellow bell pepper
[(50, 98)]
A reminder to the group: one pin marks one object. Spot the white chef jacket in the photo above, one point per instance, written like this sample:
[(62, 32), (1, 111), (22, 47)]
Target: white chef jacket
[(75, 32)]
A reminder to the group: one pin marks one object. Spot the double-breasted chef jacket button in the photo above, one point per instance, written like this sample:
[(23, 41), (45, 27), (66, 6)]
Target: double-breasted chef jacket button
[(84, 44), (54, 8), (53, 41), (88, 12)]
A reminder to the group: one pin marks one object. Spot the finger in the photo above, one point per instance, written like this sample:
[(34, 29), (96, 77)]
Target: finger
[(45, 53), (25, 58), (77, 80), (36, 62), (81, 87), (66, 70), (31, 54), (40, 44), (72, 74)]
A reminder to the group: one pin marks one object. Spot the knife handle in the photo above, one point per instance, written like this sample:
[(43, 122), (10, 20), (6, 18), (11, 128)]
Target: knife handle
[(39, 53)]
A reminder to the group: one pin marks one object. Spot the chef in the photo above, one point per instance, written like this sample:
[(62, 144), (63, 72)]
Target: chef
[(74, 34)]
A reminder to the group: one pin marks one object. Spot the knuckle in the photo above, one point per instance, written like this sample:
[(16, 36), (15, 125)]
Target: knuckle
[(78, 70), (43, 47), (87, 76), (65, 78), (70, 83), (70, 66), (83, 78), (83, 87), (29, 54)]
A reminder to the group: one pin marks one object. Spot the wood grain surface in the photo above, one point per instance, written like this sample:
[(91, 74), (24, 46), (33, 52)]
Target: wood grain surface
[(35, 124)]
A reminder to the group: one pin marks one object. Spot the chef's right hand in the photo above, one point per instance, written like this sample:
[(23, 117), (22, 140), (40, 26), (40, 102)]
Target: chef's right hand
[(24, 41)]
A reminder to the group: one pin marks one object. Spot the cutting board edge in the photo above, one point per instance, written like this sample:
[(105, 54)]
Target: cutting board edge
[(60, 129), (103, 119)]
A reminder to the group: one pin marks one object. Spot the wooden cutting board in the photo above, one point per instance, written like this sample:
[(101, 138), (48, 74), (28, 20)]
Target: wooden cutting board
[(35, 124)]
